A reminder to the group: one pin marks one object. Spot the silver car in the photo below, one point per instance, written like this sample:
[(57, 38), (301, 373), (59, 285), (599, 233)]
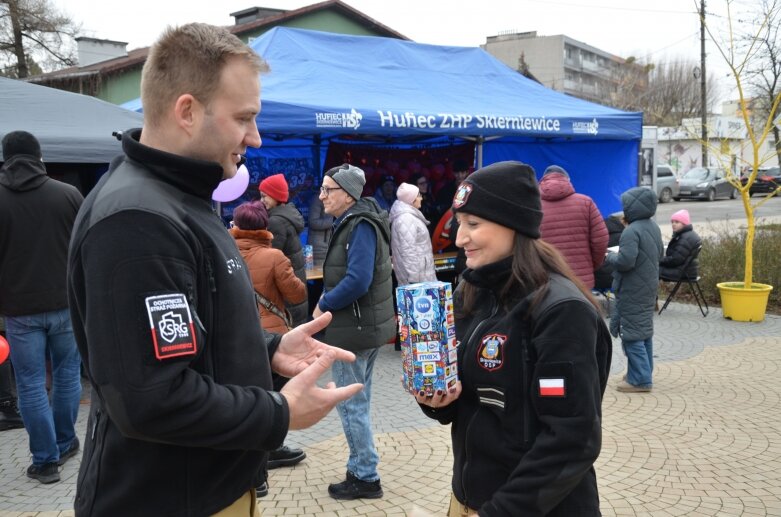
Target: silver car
[(705, 183), (666, 184)]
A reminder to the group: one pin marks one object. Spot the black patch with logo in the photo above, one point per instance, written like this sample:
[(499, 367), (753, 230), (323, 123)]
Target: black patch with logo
[(171, 323)]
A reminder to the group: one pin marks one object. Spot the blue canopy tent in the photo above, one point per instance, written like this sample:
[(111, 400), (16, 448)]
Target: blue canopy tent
[(326, 87)]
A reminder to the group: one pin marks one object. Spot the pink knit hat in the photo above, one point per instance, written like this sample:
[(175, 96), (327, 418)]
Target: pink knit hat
[(407, 193), (682, 216)]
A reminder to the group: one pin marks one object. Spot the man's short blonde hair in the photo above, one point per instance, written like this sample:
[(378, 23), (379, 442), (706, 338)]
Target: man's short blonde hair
[(189, 59)]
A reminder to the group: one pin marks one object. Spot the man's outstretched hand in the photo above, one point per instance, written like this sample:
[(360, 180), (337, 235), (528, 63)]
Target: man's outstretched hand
[(298, 349), (305, 359), (308, 402)]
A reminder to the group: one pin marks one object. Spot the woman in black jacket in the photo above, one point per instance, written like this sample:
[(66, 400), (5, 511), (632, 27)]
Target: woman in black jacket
[(683, 242), (533, 359)]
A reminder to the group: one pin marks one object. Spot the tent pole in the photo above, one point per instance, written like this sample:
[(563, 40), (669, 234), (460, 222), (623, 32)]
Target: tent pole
[(318, 166), (480, 152)]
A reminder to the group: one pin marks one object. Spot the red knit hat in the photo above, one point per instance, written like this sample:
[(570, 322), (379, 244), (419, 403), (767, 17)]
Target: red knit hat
[(275, 187)]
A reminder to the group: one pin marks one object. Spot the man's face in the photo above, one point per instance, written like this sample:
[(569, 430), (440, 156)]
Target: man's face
[(388, 188), (337, 200), (227, 124), (422, 184), (460, 176)]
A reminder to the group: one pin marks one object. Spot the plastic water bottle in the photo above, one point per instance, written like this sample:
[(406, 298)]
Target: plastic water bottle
[(309, 258)]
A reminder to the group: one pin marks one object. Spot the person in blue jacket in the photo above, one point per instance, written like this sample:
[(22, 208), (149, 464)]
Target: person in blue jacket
[(357, 289)]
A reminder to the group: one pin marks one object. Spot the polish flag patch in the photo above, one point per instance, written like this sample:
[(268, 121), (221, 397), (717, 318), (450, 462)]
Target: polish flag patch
[(553, 388)]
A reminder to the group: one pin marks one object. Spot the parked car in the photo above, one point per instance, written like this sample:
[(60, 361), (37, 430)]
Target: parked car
[(766, 182), (666, 184), (705, 183)]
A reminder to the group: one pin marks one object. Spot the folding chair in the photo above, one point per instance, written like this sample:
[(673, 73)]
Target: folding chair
[(694, 284)]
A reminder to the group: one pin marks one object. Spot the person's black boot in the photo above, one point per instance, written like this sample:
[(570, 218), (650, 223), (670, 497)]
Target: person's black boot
[(285, 457), (46, 473), (261, 490), (69, 452), (354, 488), (9, 416)]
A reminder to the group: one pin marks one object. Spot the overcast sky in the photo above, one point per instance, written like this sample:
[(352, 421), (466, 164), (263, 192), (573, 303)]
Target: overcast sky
[(660, 30)]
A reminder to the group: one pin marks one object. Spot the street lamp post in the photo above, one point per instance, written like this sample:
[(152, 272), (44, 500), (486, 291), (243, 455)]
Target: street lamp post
[(703, 106)]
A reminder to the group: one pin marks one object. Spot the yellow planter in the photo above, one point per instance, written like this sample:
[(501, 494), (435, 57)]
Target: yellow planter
[(739, 304)]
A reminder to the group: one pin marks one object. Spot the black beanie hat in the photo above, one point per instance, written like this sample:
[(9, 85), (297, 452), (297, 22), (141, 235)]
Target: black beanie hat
[(505, 193), (20, 142)]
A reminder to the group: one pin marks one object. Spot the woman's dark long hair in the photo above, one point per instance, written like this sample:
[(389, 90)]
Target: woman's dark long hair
[(533, 262)]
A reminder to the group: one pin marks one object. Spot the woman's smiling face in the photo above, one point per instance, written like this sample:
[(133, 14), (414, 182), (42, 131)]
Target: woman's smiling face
[(484, 241)]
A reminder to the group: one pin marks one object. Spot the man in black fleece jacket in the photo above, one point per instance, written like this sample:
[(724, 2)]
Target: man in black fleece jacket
[(164, 309)]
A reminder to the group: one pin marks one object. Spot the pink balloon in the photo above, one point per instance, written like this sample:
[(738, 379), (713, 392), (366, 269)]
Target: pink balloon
[(232, 188), (4, 350)]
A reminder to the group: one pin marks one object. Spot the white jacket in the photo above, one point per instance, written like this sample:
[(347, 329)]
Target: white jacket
[(413, 259)]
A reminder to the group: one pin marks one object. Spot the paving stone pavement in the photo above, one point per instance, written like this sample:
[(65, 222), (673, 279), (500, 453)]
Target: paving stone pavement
[(705, 442)]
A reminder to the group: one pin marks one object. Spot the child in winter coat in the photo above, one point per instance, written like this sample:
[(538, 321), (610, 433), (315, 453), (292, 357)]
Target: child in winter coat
[(683, 242)]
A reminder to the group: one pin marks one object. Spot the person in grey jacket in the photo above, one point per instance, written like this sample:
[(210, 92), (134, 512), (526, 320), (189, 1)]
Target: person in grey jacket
[(413, 258), (635, 284), (286, 223), (320, 229)]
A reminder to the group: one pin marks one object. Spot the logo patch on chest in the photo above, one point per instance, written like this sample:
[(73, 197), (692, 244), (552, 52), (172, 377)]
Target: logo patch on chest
[(171, 323), (490, 353)]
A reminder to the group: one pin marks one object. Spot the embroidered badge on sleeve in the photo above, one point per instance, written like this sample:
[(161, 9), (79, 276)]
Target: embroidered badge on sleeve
[(171, 323), (553, 388)]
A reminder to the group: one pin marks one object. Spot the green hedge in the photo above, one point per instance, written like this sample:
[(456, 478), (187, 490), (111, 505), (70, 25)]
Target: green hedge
[(723, 257)]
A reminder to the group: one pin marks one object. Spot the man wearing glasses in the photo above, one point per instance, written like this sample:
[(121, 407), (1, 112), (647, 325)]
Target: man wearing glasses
[(357, 290)]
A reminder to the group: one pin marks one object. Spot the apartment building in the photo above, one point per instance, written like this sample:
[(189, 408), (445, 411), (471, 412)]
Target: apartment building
[(567, 65)]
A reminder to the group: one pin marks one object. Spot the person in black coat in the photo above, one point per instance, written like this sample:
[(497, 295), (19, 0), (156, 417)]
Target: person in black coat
[(533, 359), (683, 242), (603, 277)]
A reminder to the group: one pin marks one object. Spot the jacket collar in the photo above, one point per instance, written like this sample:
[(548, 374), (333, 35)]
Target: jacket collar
[(684, 229), (492, 276), (191, 175), (259, 237)]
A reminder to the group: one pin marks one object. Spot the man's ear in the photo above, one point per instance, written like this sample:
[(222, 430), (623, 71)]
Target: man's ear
[(186, 112)]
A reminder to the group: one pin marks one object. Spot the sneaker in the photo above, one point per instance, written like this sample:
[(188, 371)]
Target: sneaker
[(631, 388), (354, 488), (46, 473), (262, 489), (285, 457), (9, 416), (69, 452)]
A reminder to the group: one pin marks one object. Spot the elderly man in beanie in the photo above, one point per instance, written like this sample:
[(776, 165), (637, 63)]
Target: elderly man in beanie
[(572, 223), (533, 361), (357, 289), (36, 219), (286, 224)]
